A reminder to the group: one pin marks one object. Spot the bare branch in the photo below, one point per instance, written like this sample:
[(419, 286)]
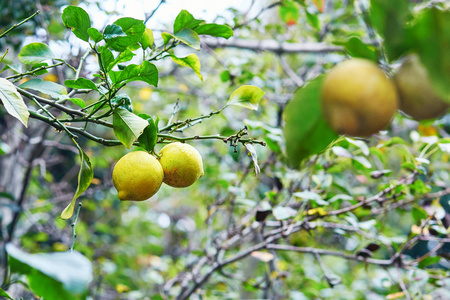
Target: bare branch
[(271, 45)]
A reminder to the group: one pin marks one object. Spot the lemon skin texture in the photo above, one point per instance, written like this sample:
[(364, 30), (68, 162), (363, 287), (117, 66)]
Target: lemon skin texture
[(417, 98), (358, 99), (182, 164), (137, 176)]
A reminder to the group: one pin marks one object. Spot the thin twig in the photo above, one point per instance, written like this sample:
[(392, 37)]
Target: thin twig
[(18, 24), (74, 235)]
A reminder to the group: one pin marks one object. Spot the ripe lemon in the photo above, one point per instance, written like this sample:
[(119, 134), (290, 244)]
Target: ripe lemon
[(182, 164), (358, 99), (417, 97), (137, 176)]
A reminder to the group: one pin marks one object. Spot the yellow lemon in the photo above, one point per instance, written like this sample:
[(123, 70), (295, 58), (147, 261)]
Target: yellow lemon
[(358, 98), (417, 97), (182, 164), (137, 176)]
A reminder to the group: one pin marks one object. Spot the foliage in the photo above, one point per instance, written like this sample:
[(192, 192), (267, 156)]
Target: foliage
[(286, 208)]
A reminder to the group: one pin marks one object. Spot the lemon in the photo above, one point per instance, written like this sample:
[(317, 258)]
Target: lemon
[(358, 99), (182, 164), (417, 98), (137, 176)]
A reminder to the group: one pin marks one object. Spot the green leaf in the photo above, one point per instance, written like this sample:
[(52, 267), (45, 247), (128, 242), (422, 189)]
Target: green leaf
[(13, 101), (35, 53), (77, 101), (4, 294), (95, 35), (53, 276), (146, 72), (133, 30), (85, 177), (306, 131), (185, 20), (216, 30), (78, 20), (356, 48), (188, 37), (128, 126), (81, 83), (149, 137), (247, 96), (389, 18), (431, 33), (53, 89), (190, 61), (123, 101), (124, 56), (106, 57), (166, 37), (147, 39), (112, 32)]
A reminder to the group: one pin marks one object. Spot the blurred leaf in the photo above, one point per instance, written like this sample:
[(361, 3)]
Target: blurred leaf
[(13, 101), (289, 12), (262, 256), (190, 61), (84, 180), (215, 30), (431, 260), (78, 21), (284, 212), (252, 151), (320, 4), (389, 18), (147, 39), (78, 101), (360, 144), (308, 195), (247, 96), (419, 214), (35, 53), (4, 294), (128, 126), (131, 32), (81, 83), (54, 90), (149, 137), (7, 195), (312, 19), (431, 32), (305, 130), (356, 48), (341, 152), (53, 276)]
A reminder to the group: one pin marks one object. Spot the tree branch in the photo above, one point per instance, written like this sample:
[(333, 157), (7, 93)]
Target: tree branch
[(271, 46)]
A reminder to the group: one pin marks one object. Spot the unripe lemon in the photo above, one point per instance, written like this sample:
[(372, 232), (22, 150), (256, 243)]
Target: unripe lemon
[(137, 176), (417, 97), (182, 164), (358, 98)]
